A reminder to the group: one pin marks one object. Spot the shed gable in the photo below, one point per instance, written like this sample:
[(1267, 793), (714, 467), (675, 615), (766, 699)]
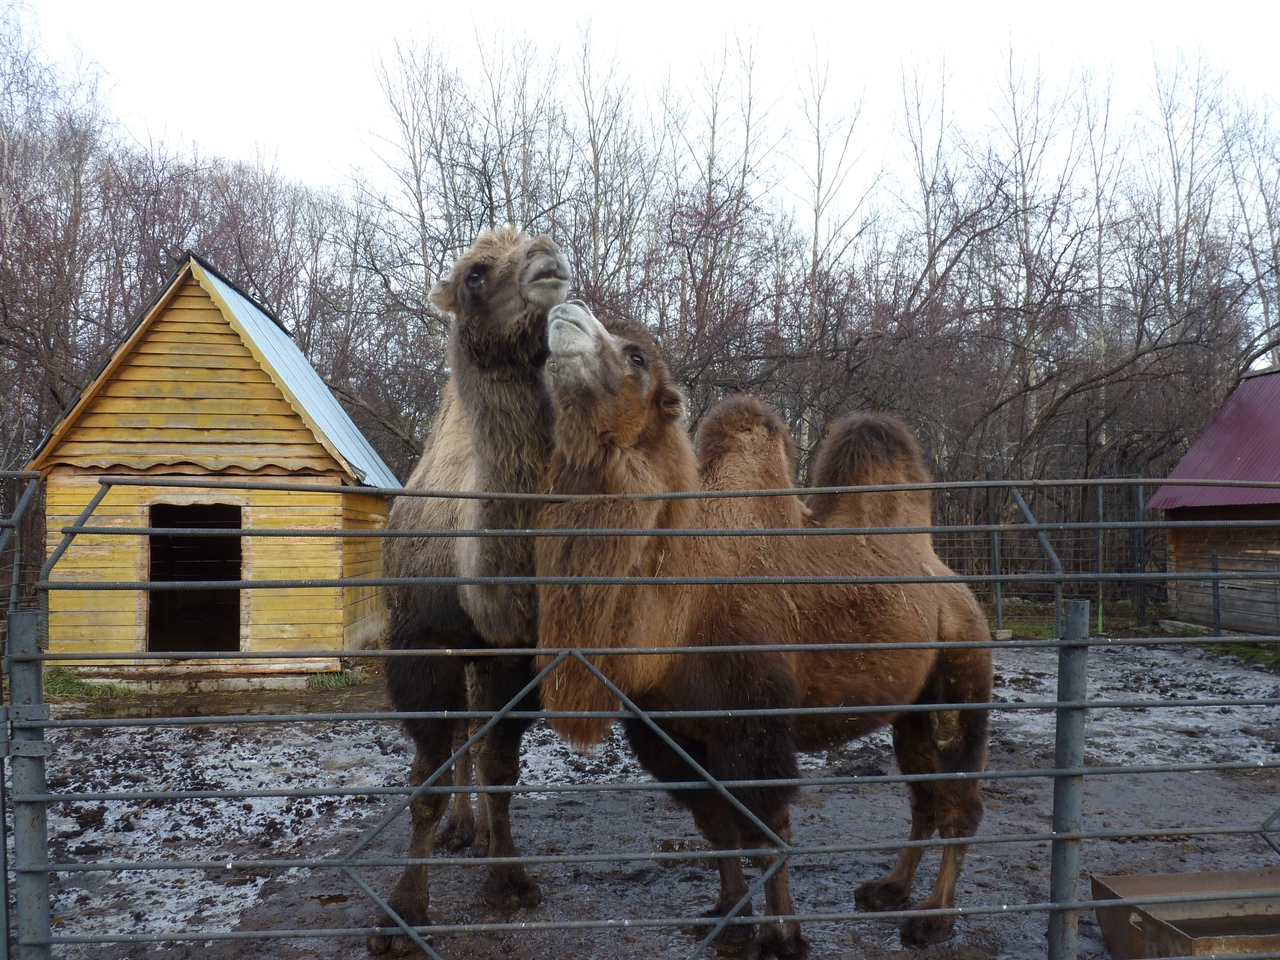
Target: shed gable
[(187, 390)]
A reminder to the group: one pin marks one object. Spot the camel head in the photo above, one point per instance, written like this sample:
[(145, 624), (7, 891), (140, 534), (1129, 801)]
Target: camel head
[(499, 293), (610, 385)]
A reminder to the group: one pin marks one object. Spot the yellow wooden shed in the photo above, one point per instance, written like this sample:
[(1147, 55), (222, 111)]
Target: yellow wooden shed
[(208, 386)]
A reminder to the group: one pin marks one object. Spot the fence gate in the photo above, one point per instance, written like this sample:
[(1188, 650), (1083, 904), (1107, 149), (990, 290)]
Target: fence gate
[(274, 824)]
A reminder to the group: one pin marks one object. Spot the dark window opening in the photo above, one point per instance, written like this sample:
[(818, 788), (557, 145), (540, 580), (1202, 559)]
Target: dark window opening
[(185, 621)]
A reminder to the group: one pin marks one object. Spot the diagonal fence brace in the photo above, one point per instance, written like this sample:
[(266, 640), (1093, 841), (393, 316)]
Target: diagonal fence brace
[(784, 848), (348, 862)]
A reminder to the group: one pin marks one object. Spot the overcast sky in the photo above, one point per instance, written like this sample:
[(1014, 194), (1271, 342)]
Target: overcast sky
[(295, 83)]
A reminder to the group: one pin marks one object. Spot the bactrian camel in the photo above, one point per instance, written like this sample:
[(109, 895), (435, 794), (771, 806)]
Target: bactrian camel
[(492, 433), (619, 430)]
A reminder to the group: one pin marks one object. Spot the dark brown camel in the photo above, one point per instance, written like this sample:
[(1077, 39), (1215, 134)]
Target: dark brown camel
[(619, 431), (492, 433)]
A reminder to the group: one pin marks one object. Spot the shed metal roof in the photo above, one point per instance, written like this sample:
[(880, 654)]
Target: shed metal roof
[(297, 380), (1241, 442)]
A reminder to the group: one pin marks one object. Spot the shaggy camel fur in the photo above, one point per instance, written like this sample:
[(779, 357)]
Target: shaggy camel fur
[(492, 432), (619, 431)]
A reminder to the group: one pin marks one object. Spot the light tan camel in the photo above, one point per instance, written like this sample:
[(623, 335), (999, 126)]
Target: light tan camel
[(492, 433), (619, 430)]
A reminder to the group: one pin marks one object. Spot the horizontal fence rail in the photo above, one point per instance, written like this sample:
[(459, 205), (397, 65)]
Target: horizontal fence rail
[(275, 823)]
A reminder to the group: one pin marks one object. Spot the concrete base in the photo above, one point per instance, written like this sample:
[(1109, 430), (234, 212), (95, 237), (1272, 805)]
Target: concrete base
[(204, 684), (1178, 628), (209, 677)]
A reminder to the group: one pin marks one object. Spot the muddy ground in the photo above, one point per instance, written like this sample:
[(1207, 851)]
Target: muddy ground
[(1001, 876)]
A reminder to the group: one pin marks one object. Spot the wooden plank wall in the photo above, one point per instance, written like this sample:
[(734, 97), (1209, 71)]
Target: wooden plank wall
[(1245, 606), (297, 618), (364, 608), (190, 392), (105, 621), (277, 619)]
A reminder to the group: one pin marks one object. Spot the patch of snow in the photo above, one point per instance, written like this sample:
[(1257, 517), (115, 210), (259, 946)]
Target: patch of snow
[(188, 758), (1157, 732)]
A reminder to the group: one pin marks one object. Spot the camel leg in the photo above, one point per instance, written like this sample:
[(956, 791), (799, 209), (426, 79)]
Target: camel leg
[(783, 938), (410, 897), (475, 702), (464, 828), (960, 738), (459, 828), (480, 836), (508, 886), (715, 821), (422, 684), (916, 754), (725, 828)]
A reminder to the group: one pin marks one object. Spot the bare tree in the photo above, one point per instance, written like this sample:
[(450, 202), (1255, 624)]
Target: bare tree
[(1252, 155)]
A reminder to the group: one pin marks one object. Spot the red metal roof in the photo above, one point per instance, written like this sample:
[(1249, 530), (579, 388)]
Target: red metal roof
[(1242, 442)]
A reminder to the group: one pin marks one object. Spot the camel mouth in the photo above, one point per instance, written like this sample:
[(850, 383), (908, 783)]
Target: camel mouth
[(571, 330), (546, 281)]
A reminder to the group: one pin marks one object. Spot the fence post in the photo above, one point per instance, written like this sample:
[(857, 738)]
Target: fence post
[(997, 587), (1101, 552), (1217, 596), (1138, 543), (1068, 789), (27, 751)]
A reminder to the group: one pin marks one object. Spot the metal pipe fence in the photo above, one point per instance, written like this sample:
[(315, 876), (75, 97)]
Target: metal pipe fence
[(274, 823)]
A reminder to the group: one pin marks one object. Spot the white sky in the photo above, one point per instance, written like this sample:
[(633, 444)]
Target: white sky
[(294, 82)]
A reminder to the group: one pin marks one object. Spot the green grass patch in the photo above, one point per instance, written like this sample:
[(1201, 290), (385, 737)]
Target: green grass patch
[(1029, 628), (335, 681), (61, 682), (1258, 654)]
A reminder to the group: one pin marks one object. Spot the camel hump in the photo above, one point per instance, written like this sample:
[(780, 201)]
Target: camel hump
[(868, 448), (865, 449), (745, 429)]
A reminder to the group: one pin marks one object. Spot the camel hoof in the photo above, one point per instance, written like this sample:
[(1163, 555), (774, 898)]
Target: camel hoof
[(734, 933), (922, 931), (384, 946), (785, 945), (510, 890), (397, 945), (455, 837), (881, 895), (480, 844), (409, 900)]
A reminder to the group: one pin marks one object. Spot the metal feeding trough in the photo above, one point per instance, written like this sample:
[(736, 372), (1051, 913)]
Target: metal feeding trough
[(1243, 917)]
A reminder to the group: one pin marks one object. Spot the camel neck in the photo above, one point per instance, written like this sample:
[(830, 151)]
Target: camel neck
[(509, 416)]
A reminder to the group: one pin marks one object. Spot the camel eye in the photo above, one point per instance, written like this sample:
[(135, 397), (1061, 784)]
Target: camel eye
[(474, 278), (636, 356)]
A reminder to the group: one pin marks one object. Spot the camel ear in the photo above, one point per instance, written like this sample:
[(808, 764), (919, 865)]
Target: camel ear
[(670, 404), (443, 298)]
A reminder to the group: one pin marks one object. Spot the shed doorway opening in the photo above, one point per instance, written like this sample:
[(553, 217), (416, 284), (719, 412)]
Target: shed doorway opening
[(184, 621)]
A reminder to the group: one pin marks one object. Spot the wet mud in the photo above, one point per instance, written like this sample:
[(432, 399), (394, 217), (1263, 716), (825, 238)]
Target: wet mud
[(629, 907)]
